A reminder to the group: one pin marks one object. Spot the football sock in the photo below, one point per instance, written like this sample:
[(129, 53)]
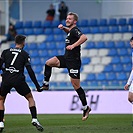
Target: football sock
[(85, 107), (46, 82), (1, 115), (47, 72), (33, 112), (82, 96)]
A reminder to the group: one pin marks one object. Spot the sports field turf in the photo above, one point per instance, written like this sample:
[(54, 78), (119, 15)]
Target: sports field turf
[(70, 123)]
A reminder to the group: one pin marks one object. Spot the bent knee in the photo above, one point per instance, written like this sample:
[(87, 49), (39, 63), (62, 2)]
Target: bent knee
[(47, 62), (53, 62)]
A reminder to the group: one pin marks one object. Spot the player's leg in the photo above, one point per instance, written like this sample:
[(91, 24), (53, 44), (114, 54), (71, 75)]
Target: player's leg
[(82, 97), (25, 91), (74, 73), (130, 97), (4, 90), (52, 62), (33, 111), (2, 108)]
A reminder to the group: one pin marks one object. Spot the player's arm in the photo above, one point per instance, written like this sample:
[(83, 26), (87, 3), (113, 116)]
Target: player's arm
[(130, 79), (32, 76), (66, 29), (81, 40)]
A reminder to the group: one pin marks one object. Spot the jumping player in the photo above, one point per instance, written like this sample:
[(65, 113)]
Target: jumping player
[(70, 60)]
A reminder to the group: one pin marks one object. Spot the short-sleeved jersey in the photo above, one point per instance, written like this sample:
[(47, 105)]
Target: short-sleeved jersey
[(14, 60), (72, 37)]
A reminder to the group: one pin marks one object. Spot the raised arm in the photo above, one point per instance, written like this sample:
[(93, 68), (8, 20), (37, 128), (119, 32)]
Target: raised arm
[(60, 26)]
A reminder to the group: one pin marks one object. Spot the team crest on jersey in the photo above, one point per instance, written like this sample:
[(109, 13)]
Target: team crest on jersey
[(67, 41)]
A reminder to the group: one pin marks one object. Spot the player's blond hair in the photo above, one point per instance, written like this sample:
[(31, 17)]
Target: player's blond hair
[(74, 14)]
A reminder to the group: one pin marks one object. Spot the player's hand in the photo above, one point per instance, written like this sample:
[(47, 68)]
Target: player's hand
[(70, 47), (126, 87), (60, 26)]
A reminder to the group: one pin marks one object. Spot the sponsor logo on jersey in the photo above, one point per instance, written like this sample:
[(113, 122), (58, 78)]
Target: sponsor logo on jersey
[(12, 69)]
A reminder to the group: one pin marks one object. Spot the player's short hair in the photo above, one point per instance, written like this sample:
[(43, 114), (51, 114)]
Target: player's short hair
[(20, 39), (74, 14), (131, 39)]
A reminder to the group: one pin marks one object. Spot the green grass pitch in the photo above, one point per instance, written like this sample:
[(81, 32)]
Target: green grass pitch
[(70, 123)]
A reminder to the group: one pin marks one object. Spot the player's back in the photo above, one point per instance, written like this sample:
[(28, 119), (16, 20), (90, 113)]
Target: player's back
[(15, 60)]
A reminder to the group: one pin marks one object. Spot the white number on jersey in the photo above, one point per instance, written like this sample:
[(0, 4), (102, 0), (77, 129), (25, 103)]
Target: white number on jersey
[(14, 58)]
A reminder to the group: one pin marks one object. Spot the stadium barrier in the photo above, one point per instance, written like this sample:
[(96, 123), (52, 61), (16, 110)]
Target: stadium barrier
[(67, 102)]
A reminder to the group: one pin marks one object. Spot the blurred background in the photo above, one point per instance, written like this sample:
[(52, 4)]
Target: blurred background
[(106, 56)]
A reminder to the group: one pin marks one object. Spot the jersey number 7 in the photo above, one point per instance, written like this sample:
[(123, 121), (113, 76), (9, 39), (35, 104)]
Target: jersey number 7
[(14, 58)]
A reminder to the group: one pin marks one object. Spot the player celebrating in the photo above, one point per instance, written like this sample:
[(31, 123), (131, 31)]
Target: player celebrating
[(129, 84), (70, 60), (14, 61)]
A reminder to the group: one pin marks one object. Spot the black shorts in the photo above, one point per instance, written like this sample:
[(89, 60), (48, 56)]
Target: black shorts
[(20, 86), (73, 66)]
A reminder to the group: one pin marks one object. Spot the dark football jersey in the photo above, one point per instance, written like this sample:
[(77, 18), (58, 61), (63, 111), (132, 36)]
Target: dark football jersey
[(15, 60), (72, 37)]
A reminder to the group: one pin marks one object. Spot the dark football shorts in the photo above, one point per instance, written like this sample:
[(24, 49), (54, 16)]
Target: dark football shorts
[(73, 66), (21, 87)]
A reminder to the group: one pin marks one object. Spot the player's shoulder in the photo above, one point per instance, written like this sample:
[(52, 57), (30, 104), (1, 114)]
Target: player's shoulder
[(75, 29), (5, 51), (25, 52)]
